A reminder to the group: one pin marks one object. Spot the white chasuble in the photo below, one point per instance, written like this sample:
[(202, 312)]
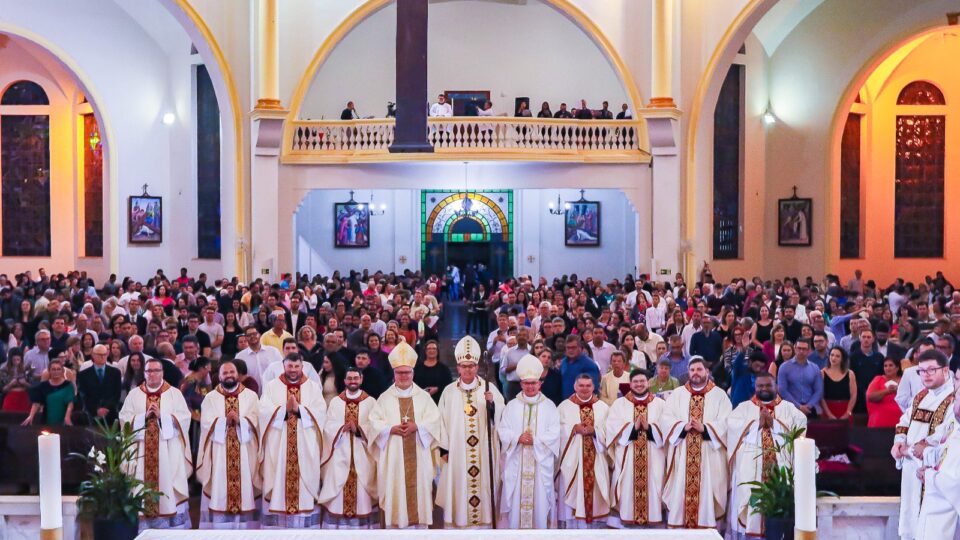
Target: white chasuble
[(349, 491), (228, 464), (940, 512), (751, 455), (638, 461), (405, 467), (163, 453), (695, 489), (290, 450), (925, 420), (584, 477), (464, 490), (528, 498)]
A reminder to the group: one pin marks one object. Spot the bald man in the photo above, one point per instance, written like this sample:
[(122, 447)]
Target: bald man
[(98, 387)]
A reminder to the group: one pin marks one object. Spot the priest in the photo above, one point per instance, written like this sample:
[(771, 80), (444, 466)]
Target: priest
[(292, 413), (752, 429), (163, 449), (584, 487), (694, 419), (529, 434), (634, 436), (920, 430), (464, 491), (405, 425), (940, 511), (349, 492), (228, 464)]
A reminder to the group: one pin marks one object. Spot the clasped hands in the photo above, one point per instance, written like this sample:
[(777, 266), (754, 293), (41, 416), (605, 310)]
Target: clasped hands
[(404, 429), (153, 411), (584, 429), (694, 425), (641, 424), (901, 450)]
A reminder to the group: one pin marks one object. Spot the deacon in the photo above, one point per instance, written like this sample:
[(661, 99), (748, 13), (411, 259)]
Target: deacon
[(163, 449), (940, 511), (464, 491), (638, 459), (584, 487), (292, 413), (752, 429), (228, 465), (349, 492), (694, 419), (529, 433), (920, 430), (405, 425)]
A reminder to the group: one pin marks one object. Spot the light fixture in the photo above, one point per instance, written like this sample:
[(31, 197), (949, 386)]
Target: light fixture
[(466, 203), (169, 118), (558, 209), (373, 207), (768, 117)]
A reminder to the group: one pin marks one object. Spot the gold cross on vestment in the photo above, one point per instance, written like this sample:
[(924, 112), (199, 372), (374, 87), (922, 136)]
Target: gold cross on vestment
[(405, 418)]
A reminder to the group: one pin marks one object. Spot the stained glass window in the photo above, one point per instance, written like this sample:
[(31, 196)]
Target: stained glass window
[(921, 93), (208, 168), (727, 158), (850, 188), (918, 210), (24, 93), (25, 184), (92, 188)]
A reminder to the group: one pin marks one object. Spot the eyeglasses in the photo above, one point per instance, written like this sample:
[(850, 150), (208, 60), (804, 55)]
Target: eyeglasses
[(929, 371), (153, 371)]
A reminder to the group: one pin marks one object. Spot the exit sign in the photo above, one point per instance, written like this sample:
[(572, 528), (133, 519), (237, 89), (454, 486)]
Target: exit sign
[(665, 272)]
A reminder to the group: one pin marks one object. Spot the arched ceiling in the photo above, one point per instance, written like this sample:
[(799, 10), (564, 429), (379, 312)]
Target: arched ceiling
[(157, 22), (782, 18)]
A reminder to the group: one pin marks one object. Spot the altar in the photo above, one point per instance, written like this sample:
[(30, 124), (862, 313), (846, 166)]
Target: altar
[(437, 534)]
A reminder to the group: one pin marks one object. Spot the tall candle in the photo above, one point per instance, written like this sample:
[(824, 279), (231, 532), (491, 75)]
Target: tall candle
[(51, 495), (805, 484)]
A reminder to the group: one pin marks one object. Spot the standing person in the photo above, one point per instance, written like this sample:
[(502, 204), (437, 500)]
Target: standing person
[(510, 358), (751, 432), (349, 489), (228, 467), (882, 408), (258, 356), (405, 424), (429, 374), (584, 473), (162, 454), (292, 412), (600, 348), (15, 381), (695, 490), (866, 363), (839, 386), (574, 363), (464, 491), (53, 396), (800, 382), (530, 440), (441, 108), (618, 375), (940, 511), (99, 388), (633, 432), (922, 426)]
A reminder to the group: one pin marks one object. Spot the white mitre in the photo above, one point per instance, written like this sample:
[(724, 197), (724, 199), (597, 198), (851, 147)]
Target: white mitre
[(529, 368), (467, 351), (402, 355)]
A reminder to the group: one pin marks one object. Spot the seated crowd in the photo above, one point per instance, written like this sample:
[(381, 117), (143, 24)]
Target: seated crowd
[(75, 352)]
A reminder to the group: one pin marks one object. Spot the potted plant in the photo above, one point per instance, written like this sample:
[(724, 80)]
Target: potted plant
[(112, 498), (772, 497)]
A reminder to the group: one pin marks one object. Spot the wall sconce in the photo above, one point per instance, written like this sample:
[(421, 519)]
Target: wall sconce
[(169, 118), (768, 117)]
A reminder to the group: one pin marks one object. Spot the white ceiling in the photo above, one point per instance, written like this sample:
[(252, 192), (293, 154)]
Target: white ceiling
[(158, 23), (782, 18)]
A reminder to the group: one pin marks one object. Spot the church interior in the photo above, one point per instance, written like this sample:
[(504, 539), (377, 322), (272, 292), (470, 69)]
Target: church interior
[(276, 140)]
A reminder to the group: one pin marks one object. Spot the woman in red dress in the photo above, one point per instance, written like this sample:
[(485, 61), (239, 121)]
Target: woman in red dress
[(882, 408)]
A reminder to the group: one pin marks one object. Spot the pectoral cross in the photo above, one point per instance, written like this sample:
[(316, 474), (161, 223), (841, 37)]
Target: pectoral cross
[(405, 418)]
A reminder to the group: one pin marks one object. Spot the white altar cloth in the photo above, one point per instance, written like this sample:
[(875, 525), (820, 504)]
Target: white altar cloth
[(437, 534)]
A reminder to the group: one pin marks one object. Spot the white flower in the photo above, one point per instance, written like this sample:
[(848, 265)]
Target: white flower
[(97, 469), (101, 458), (93, 452)]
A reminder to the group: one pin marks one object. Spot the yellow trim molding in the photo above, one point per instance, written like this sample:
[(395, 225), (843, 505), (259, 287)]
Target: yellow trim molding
[(240, 184), (565, 7)]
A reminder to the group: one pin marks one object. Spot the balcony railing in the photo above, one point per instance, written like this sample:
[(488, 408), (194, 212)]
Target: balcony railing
[(534, 139)]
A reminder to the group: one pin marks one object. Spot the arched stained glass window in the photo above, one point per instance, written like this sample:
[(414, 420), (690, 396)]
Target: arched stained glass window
[(921, 93), (24, 93)]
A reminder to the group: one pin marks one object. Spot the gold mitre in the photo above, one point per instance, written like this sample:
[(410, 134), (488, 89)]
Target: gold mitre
[(529, 368), (467, 351), (402, 355)]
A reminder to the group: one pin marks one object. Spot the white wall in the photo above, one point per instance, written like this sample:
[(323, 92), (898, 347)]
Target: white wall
[(511, 49), (537, 234)]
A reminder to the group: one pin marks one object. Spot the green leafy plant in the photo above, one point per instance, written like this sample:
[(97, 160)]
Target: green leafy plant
[(773, 496), (112, 492)]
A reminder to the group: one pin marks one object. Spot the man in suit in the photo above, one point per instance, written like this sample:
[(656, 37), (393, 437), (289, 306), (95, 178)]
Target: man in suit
[(99, 387), (295, 318), (887, 348)]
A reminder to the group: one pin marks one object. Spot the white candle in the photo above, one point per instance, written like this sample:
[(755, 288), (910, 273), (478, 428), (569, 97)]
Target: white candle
[(805, 484), (51, 509)]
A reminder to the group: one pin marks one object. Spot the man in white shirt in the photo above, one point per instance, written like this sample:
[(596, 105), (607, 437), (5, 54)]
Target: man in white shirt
[(694, 326), (214, 330), (656, 314), (600, 349), (441, 107), (257, 356)]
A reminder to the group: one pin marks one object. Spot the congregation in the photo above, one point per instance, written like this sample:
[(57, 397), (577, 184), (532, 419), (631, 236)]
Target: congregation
[(633, 403)]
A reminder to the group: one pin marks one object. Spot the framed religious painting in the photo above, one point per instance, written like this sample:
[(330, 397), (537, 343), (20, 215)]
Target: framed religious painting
[(582, 224), (795, 222), (144, 219), (351, 225)]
